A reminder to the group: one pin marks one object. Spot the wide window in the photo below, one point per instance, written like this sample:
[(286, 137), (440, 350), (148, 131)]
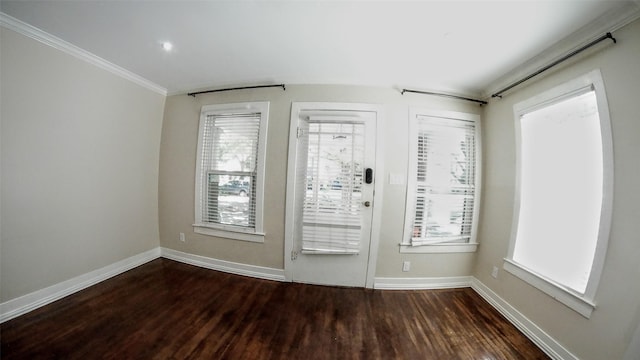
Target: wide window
[(563, 207), (230, 170), (442, 194)]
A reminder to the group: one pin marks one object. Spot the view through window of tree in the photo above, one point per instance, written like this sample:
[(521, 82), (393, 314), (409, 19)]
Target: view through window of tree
[(231, 167), (443, 177), (332, 202)]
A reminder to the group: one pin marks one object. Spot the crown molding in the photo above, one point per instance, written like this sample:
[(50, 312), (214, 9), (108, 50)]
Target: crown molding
[(33, 32), (613, 20)]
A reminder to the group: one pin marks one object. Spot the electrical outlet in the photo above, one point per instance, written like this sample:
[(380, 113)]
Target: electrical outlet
[(494, 272), (182, 237), (406, 266)]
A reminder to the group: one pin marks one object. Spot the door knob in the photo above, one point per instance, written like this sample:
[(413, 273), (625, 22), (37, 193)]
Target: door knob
[(367, 203)]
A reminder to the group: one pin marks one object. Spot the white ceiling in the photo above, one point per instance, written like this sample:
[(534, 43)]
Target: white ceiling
[(449, 46)]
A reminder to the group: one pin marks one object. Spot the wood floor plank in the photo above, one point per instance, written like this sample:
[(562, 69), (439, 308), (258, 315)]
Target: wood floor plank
[(169, 310)]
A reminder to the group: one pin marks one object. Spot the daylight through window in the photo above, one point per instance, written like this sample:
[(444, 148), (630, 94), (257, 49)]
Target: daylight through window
[(560, 190), (443, 179), (564, 188), (230, 168)]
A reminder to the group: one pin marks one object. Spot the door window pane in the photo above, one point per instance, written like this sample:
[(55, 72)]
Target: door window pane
[(331, 209)]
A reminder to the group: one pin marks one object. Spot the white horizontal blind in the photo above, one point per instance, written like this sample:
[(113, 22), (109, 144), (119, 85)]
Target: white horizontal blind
[(331, 206), (445, 181), (229, 169)]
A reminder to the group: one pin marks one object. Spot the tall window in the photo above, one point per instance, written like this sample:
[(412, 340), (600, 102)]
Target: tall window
[(442, 193), (564, 189), (230, 170)]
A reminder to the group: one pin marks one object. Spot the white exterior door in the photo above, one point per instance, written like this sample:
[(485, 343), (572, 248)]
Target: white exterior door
[(331, 200)]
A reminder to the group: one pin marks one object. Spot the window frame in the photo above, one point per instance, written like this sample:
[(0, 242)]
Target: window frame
[(406, 246), (200, 226), (583, 303)]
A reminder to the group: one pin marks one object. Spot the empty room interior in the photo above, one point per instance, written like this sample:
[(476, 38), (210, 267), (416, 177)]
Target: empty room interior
[(332, 179)]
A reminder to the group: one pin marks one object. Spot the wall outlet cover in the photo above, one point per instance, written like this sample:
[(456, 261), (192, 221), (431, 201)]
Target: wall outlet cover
[(406, 266)]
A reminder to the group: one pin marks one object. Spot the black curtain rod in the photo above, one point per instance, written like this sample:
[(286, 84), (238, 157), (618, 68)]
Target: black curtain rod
[(237, 88), (444, 95), (571, 54)]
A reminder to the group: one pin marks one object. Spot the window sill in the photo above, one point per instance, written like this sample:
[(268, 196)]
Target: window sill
[(208, 230), (439, 248), (576, 302)]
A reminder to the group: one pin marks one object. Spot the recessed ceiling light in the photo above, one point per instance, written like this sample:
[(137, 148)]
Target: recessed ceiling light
[(167, 46)]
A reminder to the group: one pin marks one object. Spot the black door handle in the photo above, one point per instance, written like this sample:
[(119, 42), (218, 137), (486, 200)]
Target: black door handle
[(368, 175)]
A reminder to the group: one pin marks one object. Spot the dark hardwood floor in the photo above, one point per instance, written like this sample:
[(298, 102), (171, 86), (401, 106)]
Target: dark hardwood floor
[(169, 310)]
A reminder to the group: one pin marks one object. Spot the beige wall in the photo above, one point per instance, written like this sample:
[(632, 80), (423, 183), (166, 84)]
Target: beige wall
[(177, 169), (607, 333), (79, 166)]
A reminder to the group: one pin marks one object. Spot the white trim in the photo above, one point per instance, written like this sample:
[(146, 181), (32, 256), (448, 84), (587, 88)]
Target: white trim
[(290, 201), (414, 113), (584, 304), (451, 282), (254, 271), (229, 234), (440, 248), (23, 304), (576, 302), (33, 32), (545, 342), (221, 230)]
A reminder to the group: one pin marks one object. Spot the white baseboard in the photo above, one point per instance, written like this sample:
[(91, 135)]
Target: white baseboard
[(545, 342), (259, 272), (23, 304), (383, 283)]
